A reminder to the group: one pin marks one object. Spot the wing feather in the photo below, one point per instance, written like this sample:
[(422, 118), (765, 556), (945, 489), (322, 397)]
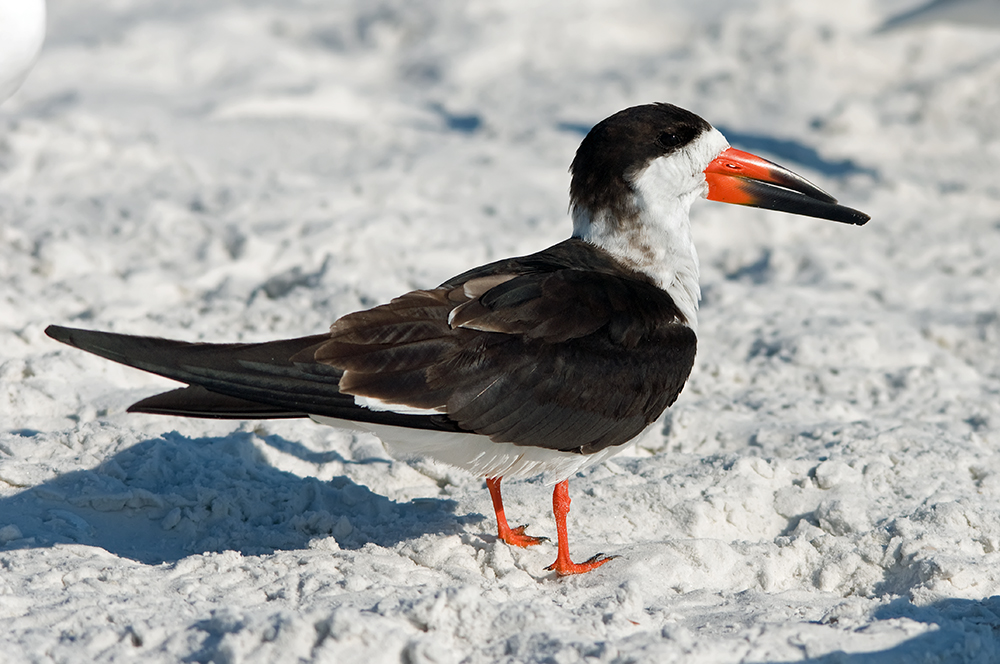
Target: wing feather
[(541, 354)]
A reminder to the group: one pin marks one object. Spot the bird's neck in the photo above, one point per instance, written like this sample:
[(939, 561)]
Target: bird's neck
[(653, 237)]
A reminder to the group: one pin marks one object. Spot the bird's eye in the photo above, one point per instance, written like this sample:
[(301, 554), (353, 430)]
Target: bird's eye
[(668, 140)]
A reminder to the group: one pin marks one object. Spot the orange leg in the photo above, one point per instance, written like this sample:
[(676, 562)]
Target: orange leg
[(512, 536), (563, 565)]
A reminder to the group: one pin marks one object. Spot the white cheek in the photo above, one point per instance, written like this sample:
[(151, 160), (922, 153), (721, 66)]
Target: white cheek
[(680, 176), (666, 179), (708, 146)]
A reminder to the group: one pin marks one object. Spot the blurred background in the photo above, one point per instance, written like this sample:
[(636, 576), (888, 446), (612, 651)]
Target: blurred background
[(248, 170)]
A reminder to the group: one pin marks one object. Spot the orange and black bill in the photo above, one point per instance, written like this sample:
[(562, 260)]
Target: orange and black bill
[(746, 179)]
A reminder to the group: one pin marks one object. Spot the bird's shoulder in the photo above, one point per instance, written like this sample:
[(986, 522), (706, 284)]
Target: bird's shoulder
[(567, 292)]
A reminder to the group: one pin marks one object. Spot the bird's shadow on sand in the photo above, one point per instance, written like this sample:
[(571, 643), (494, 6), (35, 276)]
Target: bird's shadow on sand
[(172, 496), (959, 630)]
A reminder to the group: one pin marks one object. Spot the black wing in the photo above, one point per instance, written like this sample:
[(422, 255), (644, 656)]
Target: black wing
[(565, 349)]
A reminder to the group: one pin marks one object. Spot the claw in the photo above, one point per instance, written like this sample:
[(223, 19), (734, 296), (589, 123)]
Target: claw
[(567, 567), (516, 537)]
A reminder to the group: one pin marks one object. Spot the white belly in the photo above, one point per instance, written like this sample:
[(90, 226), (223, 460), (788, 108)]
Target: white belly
[(477, 454)]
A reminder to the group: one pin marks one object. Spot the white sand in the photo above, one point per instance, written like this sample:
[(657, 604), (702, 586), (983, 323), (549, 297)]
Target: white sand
[(827, 483)]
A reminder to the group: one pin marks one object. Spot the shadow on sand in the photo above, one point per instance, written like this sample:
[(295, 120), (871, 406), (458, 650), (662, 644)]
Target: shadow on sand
[(169, 497), (961, 630)]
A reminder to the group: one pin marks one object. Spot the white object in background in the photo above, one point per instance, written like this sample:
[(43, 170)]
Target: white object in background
[(22, 31)]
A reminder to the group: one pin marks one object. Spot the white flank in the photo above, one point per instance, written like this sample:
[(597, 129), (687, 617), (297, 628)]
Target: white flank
[(477, 454)]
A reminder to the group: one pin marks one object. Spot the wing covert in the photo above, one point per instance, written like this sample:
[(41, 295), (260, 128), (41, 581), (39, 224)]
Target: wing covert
[(562, 358)]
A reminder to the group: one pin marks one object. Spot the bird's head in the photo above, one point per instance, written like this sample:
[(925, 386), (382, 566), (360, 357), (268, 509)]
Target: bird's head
[(668, 154), (637, 173)]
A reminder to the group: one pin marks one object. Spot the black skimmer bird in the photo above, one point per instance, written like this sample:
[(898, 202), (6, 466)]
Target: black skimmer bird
[(544, 363)]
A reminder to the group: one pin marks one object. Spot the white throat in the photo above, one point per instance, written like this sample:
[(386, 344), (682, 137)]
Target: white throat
[(657, 241)]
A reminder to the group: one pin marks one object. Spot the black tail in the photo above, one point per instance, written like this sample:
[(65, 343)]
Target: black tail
[(241, 381), (196, 401), (275, 379)]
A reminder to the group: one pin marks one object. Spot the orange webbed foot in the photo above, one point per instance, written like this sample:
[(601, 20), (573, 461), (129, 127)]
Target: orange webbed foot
[(566, 567), (516, 537), (512, 536)]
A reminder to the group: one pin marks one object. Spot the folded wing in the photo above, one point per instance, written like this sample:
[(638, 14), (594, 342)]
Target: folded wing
[(534, 351)]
